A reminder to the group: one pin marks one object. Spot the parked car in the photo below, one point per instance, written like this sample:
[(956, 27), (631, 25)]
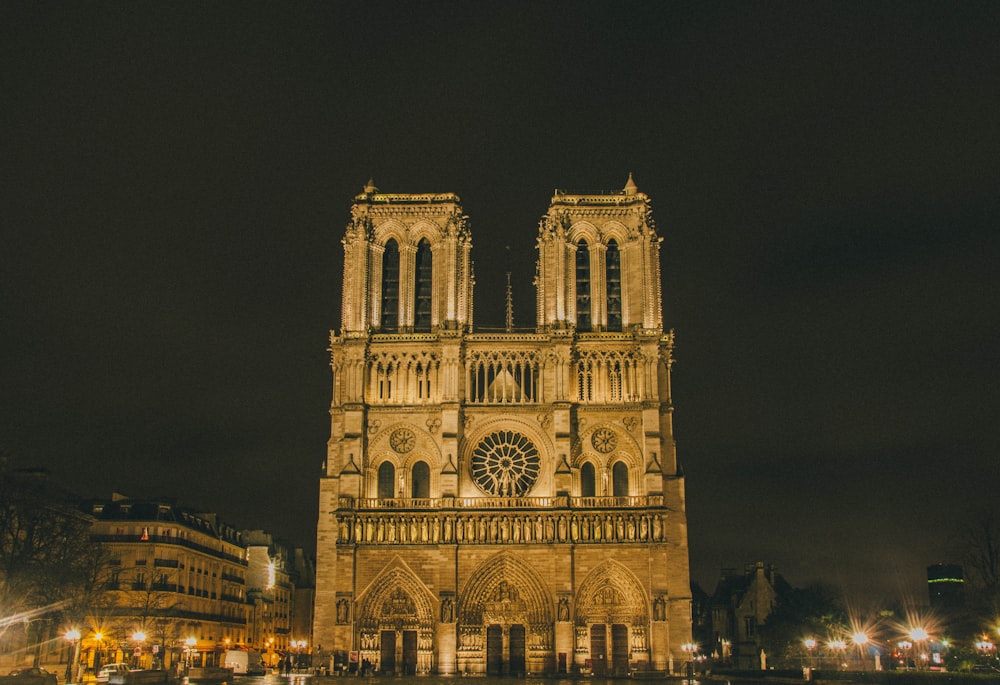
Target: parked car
[(108, 670), (33, 676)]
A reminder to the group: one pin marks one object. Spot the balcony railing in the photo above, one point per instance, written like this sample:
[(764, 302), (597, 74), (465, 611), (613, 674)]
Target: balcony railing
[(562, 502), (171, 540)]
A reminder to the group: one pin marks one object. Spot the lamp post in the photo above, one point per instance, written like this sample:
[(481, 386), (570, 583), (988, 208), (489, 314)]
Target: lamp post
[(299, 646), (138, 637), (73, 635), (689, 649), (860, 639), (919, 636), (189, 645), (838, 647), (810, 644), (99, 639)]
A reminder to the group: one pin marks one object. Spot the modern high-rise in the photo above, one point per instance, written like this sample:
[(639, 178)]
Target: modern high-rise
[(502, 502)]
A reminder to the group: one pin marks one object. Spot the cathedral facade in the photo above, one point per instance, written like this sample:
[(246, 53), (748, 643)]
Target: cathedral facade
[(502, 502)]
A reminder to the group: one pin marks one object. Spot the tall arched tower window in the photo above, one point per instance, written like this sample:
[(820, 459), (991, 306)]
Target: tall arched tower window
[(582, 286), (587, 480), (619, 479), (386, 480), (613, 271), (422, 292), (420, 477), (390, 287)]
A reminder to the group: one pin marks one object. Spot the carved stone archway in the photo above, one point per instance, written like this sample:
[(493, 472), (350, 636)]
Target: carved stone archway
[(612, 595), (398, 602), (505, 591)]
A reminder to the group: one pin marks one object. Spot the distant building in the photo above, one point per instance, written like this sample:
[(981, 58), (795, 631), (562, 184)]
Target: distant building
[(740, 604), (500, 501), (946, 586), (192, 585), (269, 595)]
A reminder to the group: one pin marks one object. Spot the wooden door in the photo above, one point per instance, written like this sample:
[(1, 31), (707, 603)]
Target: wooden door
[(387, 662), (599, 648)]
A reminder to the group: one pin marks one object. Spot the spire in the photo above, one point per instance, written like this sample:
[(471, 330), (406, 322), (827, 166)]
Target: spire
[(630, 187), (371, 188), (510, 299)]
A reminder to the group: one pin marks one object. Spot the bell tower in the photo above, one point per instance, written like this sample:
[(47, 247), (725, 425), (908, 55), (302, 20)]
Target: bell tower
[(407, 264), (501, 501), (599, 263)]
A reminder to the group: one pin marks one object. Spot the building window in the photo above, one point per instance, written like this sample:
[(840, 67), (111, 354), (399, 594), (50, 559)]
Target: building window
[(582, 286), (587, 480), (422, 292), (421, 480), (613, 271), (619, 479), (386, 480), (585, 380), (750, 625), (390, 288), (614, 381)]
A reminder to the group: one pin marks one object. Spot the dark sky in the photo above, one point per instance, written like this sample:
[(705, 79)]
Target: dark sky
[(175, 179)]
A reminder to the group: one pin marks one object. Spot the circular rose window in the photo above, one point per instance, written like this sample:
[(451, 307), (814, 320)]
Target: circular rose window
[(505, 464)]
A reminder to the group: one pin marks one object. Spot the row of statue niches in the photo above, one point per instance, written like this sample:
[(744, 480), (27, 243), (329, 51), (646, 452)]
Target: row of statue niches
[(489, 529)]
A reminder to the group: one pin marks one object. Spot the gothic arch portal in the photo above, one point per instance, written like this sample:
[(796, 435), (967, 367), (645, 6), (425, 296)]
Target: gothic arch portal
[(611, 594), (394, 603), (504, 591)]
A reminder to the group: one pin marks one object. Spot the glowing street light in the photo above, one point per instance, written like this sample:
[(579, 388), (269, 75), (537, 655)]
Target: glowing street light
[(138, 637), (860, 639), (73, 635), (689, 649), (810, 644), (189, 645), (919, 635)]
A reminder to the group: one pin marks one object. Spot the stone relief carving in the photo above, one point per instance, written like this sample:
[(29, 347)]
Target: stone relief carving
[(501, 528)]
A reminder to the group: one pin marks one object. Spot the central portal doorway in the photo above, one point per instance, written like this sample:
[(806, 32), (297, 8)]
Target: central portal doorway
[(388, 662), (505, 657)]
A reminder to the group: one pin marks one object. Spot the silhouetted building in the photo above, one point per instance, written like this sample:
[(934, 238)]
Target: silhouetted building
[(946, 586), (740, 604)]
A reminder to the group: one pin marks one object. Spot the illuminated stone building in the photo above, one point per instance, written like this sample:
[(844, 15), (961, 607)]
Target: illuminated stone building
[(502, 502), (192, 584), (176, 576)]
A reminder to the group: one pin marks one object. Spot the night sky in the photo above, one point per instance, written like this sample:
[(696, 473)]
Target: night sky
[(175, 179)]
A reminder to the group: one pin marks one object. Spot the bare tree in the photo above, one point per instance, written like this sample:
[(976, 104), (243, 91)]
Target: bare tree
[(981, 542), (49, 570)]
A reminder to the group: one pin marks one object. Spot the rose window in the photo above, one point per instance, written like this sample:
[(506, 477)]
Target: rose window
[(505, 464)]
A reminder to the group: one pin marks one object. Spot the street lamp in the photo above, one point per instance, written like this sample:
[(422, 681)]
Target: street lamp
[(73, 635), (917, 636), (689, 649), (189, 649), (860, 639), (838, 646), (99, 639), (810, 644), (138, 637)]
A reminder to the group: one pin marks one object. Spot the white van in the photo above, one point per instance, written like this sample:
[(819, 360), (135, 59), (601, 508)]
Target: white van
[(244, 662)]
